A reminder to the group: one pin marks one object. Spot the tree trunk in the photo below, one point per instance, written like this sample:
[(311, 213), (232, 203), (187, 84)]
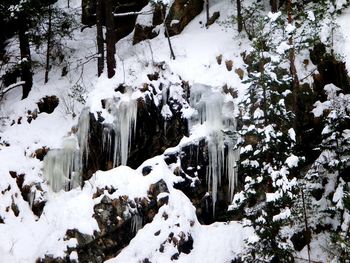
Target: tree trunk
[(110, 38), (48, 48), (206, 2), (293, 70), (307, 230), (26, 63), (172, 55), (239, 16), (99, 36), (274, 6), (262, 73)]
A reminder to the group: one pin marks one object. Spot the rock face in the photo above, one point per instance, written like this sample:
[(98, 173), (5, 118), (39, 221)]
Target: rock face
[(119, 219), (143, 32), (330, 70), (32, 193), (181, 13), (124, 25), (203, 163), (194, 162), (153, 135), (48, 104)]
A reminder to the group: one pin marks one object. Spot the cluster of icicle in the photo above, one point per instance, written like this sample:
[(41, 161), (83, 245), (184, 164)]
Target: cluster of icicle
[(117, 135), (62, 167), (216, 116)]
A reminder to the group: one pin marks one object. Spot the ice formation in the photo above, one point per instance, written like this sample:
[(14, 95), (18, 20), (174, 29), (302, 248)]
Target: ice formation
[(62, 166), (83, 134), (117, 136), (215, 114), (136, 223)]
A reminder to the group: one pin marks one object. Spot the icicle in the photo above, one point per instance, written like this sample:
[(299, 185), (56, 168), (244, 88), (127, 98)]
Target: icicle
[(136, 223), (62, 165), (208, 105), (232, 169), (83, 134), (107, 140), (124, 112), (217, 117)]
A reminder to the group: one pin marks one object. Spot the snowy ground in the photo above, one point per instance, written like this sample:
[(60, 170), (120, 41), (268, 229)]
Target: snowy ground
[(24, 238)]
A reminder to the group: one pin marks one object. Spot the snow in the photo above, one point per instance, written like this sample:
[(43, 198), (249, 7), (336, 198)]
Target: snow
[(342, 37), (219, 242), (274, 16), (282, 48), (311, 16), (290, 28), (283, 215), (291, 133), (26, 237), (292, 161), (321, 107)]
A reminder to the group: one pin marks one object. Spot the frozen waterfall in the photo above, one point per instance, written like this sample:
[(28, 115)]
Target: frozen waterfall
[(62, 167), (215, 114), (118, 135)]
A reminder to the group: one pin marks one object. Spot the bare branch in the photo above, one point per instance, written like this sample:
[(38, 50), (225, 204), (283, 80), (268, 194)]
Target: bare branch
[(133, 13), (10, 87)]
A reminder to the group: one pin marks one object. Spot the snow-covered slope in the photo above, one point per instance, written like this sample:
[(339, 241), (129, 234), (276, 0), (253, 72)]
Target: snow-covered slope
[(25, 237)]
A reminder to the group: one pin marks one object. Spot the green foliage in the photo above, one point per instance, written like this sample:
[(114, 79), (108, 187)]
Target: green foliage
[(268, 161), (78, 93)]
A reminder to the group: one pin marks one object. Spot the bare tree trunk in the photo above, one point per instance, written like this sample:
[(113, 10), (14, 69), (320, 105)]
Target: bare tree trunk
[(110, 38), (68, 4), (48, 48), (99, 36), (293, 70), (239, 16), (307, 230), (274, 6), (26, 63), (206, 2), (262, 73), (167, 33)]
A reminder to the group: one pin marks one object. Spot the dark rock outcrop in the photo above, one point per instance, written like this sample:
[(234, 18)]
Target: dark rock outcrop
[(181, 13), (33, 194), (119, 220), (124, 25), (143, 32), (301, 239), (48, 104), (330, 70), (194, 168), (153, 135)]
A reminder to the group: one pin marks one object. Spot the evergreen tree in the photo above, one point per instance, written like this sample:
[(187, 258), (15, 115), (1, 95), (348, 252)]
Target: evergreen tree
[(36, 22), (268, 160)]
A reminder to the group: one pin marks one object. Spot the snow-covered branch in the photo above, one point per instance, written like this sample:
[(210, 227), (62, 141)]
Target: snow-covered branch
[(133, 13), (12, 86)]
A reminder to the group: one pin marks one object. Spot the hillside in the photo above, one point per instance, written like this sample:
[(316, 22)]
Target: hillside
[(236, 150)]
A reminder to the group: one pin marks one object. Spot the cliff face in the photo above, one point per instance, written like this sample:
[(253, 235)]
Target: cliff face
[(151, 166), (177, 16)]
